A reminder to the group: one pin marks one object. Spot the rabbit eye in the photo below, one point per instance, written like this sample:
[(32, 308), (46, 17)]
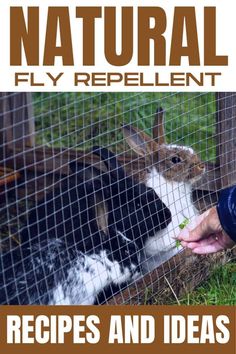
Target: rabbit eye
[(176, 159), (138, 205)]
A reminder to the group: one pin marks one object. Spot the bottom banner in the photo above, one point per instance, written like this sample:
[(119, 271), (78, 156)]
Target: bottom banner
[(130, 329)]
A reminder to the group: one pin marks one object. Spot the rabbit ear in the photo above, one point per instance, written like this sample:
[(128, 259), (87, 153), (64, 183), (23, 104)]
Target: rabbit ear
[(83, 171), (97, 194), (101, 212), (74, 166), (79, 167), (114, 168), (158, 128), (140, 142)]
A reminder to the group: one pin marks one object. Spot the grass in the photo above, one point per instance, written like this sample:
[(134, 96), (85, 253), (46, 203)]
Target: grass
[(219, 289), (80, 120)]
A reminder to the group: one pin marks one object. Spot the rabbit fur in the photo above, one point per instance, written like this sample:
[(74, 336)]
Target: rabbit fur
[(171, 172), (84, 238)]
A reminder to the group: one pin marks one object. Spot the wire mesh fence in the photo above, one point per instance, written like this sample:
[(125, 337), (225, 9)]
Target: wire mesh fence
[(94, 186)]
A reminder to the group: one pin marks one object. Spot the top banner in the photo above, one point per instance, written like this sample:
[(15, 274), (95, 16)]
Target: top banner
[(117, 46)]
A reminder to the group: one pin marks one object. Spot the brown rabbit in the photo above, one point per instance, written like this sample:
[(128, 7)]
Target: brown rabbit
[(171, 172)]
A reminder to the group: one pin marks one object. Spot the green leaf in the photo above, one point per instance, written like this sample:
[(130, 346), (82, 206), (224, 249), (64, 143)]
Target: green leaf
[(184, 223), (177, 243)]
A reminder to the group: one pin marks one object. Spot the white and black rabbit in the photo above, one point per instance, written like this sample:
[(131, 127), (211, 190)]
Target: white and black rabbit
[(134, 209), (79, 241), (50, 270), (171, 171)]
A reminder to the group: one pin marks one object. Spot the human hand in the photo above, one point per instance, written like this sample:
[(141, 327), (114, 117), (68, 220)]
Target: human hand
[(205, 234)]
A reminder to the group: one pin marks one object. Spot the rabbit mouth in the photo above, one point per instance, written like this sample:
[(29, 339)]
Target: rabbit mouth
[(194, 179), (196, 174)]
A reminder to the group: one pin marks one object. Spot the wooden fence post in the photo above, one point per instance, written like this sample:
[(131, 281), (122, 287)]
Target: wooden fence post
[(226, 137), (16, 122)]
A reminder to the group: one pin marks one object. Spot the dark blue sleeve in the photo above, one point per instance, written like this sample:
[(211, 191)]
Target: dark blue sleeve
[(226, 209)]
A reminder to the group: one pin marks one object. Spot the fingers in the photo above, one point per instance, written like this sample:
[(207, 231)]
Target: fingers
[(184, 234), (211, 244), (215, 247), (202, 227), (196, 229), (201, 243)]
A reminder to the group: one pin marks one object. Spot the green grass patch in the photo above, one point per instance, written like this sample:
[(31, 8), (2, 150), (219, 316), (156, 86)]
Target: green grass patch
[(219, 289), (80, 120)]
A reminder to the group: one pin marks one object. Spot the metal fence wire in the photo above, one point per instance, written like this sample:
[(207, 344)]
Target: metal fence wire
[(95, 186)]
